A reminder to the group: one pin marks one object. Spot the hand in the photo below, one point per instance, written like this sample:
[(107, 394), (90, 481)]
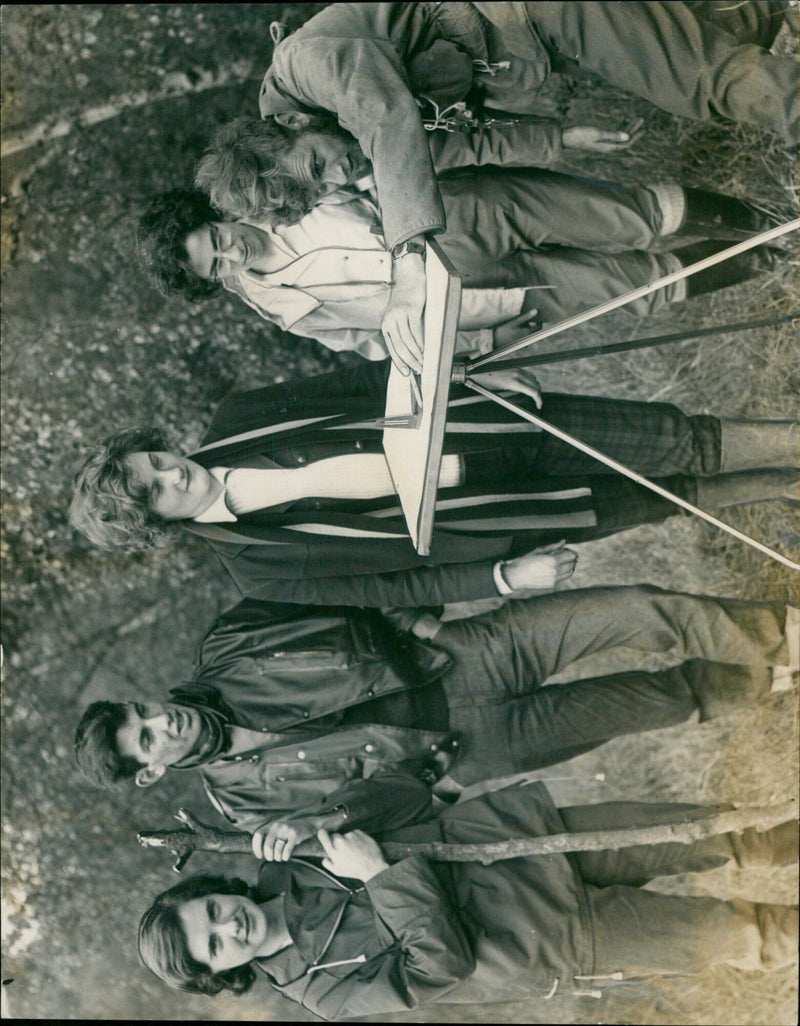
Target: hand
[(355, 855), (598, 140), (276, 841), (516, 380), (523, 324), (543, 568), (402, 320)]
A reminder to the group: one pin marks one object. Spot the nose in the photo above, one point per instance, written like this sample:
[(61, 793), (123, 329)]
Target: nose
[(171, 475), (159, 721), (232, 924), (230, 250)]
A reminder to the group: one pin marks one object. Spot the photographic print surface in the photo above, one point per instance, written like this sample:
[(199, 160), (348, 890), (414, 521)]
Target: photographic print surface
[(105, 106)]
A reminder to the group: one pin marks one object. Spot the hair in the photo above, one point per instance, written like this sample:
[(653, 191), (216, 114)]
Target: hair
[(164, 948), (109, 507), (242, 177), (96, 750), (161, 242)]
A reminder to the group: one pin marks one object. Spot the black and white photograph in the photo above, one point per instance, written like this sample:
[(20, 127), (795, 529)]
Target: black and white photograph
[(401, 512)]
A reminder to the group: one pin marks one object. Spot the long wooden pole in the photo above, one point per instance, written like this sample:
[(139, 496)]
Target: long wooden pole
[(629, 297), (197, 836), (632, 474)]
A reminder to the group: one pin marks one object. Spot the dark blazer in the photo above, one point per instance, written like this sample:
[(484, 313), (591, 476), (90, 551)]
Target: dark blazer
[(361, 559)]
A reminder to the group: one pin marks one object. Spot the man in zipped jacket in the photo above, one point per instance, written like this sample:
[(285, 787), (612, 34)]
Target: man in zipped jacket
[(307, 717)]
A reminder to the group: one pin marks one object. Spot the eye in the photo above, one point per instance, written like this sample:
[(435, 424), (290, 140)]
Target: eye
[(140, 710), (145, 740), (155, 461), (212, 910), (213, 946)]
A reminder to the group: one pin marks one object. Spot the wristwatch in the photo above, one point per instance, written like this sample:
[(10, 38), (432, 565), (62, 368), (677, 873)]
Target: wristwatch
[(404, 248)]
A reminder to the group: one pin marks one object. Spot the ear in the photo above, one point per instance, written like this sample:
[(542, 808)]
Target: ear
[(295, 120), (149, 775)]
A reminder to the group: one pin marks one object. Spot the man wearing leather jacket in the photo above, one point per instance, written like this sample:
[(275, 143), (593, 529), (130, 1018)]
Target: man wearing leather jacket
[(306, 717)]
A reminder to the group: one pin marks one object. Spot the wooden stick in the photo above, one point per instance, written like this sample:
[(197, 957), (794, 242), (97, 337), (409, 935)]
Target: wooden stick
[(629, 297), (197, 836), (632, 474)]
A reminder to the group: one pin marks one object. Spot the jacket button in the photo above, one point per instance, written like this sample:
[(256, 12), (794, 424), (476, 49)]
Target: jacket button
[(265, 730), (254, 758), (371, 692), (301, 755), (359, 445), (306, 714), (434, 747), (301, 459), (280, 779), (369, 748), (237, 758)]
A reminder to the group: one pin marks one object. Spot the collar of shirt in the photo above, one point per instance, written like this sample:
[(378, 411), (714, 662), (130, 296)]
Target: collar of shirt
[(243, 739), (217, 512)]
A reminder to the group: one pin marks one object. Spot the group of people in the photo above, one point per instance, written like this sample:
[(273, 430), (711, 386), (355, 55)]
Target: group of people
[(332, 701)]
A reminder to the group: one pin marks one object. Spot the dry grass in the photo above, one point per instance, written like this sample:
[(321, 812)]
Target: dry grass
[(748, 758)]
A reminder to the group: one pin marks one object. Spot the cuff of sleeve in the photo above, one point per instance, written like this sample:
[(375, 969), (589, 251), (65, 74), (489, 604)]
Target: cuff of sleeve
[(503, 588)]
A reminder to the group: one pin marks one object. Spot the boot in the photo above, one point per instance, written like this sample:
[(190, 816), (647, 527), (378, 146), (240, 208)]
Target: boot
[(711, 215), (757, 444), (754, 486), (757, 848), (778, 926), (730, 272)]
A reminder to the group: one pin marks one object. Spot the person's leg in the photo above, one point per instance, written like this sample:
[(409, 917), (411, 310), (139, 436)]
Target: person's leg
[(526, 641), (681, 63), (757, 23), (643, 931), (495, 211), (559, 721), (636, 865), (565, 280)]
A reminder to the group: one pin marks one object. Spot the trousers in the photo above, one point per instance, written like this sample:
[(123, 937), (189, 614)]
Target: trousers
[(664, 53), (693, 932), (575, 243), (510, 720)]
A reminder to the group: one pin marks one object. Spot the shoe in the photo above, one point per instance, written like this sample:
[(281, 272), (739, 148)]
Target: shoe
[(732, 271)]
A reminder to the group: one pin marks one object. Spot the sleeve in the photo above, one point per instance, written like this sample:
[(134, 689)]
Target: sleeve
[(419, 586), (530, 144), (432, 953), (369, 344), (245, 410), (362, 83), (384, 802)]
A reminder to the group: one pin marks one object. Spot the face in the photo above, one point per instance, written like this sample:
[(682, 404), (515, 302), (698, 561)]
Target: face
[(326, 159), (176, 488), (158, 735), (222, 248), (223, 931)]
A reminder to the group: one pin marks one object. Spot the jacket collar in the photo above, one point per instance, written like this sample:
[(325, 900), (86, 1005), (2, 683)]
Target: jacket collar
[(314, 903)]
